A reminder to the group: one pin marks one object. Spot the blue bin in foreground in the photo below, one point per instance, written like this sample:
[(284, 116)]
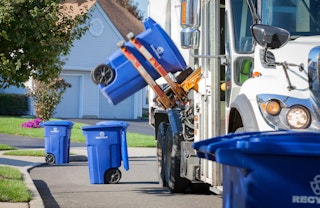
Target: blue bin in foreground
[(127, 80), (57, 141), (107, 147), (267, 169)]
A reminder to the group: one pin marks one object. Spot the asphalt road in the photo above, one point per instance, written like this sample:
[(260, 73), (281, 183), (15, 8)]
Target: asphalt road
[(68, 185)]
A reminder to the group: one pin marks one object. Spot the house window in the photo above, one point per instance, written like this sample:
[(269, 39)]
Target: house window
[(96, 27)]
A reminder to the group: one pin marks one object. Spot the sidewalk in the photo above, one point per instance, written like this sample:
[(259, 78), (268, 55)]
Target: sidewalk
[(25, 163)]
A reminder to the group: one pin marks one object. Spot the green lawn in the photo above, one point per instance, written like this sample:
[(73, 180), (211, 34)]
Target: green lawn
[(6, 147), (12, 125), (34, 153), (12, 187)]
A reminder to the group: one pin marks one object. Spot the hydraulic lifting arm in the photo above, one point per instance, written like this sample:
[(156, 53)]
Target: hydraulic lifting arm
[(179, 91), (162, 97)]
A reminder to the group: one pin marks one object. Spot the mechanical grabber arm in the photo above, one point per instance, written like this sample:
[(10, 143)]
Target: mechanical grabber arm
[(176, 92)]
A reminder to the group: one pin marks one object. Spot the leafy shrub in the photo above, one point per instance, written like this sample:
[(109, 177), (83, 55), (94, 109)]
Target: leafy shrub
[(46, 96)]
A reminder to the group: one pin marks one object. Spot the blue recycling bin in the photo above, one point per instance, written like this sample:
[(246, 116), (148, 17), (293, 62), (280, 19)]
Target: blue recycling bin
[(267, 169), (57, 141), (127, 79), (106, 147)]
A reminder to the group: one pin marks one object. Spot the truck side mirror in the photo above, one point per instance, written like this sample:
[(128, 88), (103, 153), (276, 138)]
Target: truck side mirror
[(269, 37), (190, 22)]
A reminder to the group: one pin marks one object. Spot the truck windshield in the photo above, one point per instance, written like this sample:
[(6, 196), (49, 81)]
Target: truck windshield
[(299, 17)]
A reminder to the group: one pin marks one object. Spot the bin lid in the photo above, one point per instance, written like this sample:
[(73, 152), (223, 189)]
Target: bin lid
[(113, 124), (57, 123), (275, 142), (106, 124), (282, 142), (223, 141)]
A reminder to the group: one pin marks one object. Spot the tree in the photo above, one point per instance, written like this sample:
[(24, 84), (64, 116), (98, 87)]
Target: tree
[(132, 7), (34, 34), (46, 96)]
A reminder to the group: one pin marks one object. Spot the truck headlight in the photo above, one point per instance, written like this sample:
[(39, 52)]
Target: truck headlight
[(284, 113), (298, 117), (273, 107)]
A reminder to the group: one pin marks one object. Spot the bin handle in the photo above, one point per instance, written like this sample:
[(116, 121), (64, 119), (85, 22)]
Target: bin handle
[(149, 23), (124, 150), (229, 157)]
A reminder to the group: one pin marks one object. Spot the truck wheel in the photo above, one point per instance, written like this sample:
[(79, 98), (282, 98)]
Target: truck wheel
[(172, 156), (160, 156), (112, 176)]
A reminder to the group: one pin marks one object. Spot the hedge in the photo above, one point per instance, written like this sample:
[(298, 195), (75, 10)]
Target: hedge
[(13, 104)]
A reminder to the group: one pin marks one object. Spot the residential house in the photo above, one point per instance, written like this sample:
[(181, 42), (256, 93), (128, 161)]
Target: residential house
[(110, 23)]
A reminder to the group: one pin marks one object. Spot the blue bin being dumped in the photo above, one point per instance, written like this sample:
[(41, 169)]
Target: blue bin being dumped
[(127, 79), (267, 169), (107, 147), (57, 141)]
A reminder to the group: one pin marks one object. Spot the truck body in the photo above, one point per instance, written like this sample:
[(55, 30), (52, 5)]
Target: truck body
[(255, 67)]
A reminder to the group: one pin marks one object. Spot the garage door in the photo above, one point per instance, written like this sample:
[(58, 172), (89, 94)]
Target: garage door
[(70, 104), (123, 110)]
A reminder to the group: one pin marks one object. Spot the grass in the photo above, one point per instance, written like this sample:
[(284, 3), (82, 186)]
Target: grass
[(34, 153), (6, 147), (12, 125), (12, 187), (140, 140), (13, 151)]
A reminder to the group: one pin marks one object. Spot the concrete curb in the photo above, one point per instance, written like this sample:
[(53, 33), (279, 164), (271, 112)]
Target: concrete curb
[(78, 158), (36, 201)]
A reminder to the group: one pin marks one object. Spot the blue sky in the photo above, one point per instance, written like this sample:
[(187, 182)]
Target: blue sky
[(143, 6)]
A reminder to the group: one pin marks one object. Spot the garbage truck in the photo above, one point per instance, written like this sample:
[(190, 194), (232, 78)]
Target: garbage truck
[(255, 62)]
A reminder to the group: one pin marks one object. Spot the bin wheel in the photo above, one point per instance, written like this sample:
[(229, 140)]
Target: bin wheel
[(112, 176), (50, 159), (102, 74)]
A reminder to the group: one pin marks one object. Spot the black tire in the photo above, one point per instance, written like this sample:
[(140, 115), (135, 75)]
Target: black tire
[(160, 156), (50, 159), (112, 176), (102, 74), (172, 157), (200, 188)]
